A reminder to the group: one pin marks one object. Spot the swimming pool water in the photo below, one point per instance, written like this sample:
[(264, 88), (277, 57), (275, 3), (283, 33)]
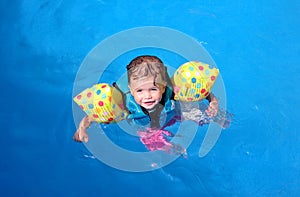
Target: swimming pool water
[(254, 44)]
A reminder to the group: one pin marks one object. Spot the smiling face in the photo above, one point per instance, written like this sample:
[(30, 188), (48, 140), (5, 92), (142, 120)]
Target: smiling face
[(147, 80), (147, 94)]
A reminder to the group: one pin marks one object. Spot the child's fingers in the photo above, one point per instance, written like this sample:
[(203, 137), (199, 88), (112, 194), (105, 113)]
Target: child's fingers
[(83, 137), (76, 137), (211, 111), (80, 136), (208, 112)]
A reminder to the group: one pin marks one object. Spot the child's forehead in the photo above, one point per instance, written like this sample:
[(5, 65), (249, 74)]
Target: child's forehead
[(145, 73), (145, 84), (142, 82)]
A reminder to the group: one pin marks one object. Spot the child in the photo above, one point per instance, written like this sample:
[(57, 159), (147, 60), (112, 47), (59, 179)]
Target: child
[(151, 104)]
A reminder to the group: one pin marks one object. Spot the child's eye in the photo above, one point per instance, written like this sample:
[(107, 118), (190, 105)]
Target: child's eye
[(154, 89), (139, 90)]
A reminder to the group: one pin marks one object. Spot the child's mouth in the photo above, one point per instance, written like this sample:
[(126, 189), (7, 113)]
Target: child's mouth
[(149, 103)]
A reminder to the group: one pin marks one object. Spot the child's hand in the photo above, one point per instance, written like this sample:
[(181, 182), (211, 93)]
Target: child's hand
[(81, 133), (212, 109)]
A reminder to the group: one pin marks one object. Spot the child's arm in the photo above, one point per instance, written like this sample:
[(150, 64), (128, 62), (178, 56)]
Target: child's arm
[(213, 107), (81, 134)]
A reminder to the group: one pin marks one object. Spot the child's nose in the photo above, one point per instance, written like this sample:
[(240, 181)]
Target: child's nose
[(148, 94)]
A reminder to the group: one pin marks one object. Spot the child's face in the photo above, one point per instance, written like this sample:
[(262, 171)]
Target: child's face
[(146, 94)]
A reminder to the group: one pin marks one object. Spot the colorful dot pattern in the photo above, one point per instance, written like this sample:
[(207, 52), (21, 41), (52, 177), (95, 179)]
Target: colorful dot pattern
[(194, 81), (103, 103)]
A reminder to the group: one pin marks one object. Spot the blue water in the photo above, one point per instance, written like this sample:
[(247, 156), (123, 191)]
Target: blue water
[(255, 45)]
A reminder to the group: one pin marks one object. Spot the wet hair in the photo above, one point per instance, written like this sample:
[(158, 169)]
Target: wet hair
[(146, 66)]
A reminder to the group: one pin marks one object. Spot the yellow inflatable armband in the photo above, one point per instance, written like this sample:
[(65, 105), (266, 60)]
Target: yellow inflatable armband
[(193, 81), (103, 103)]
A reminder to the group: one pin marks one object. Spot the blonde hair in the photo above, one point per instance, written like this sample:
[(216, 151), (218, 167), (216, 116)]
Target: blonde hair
[(146, 66)]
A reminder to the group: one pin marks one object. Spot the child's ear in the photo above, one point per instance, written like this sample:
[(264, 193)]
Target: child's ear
[(163, 89)]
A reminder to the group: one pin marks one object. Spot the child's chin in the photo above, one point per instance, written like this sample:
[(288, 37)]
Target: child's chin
[(148, 107)]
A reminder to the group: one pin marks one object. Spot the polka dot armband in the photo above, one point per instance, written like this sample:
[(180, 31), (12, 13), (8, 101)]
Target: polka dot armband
[(103, 103), (193, 81)]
